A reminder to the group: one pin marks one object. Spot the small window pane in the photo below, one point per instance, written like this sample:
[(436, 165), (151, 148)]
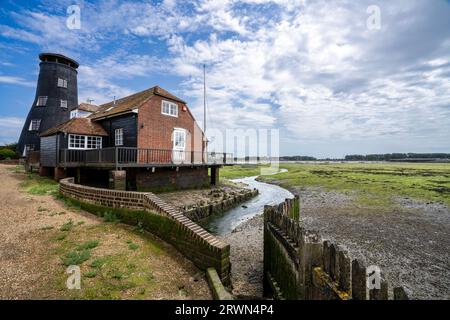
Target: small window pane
[(34, 125), (42, 101), (119, 137), (94, 142), (64, 104), (62, 83), (169, 108), (76, 142), (180, 139)]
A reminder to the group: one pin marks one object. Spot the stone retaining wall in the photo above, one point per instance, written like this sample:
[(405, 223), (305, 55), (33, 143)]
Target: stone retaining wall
[(217, 207), (158, 217), (298, 264)]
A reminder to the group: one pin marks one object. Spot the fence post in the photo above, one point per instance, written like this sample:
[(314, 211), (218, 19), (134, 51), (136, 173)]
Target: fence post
[(116, 156), (326, 256), (334, 268), (344, 269), (400, 294), (359, 281), (381, 293)]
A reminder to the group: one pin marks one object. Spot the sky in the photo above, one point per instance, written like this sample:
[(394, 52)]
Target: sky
[(333, 77)]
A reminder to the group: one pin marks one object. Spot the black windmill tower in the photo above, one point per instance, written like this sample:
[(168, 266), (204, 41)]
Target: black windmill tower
[(56, 96)]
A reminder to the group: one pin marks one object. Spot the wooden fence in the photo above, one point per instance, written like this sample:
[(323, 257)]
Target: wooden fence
[(299, 264)]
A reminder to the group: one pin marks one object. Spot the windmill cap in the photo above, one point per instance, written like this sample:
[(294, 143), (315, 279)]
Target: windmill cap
[(56, 57)]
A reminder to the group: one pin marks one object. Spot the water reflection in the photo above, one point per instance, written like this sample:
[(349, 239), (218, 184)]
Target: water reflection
[(268, 194)]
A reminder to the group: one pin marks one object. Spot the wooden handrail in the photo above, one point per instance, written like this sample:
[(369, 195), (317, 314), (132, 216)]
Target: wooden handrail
[(118, 156)]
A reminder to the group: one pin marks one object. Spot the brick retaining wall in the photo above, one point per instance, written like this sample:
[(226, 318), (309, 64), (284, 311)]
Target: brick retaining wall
[(194, 242), (298, 264)]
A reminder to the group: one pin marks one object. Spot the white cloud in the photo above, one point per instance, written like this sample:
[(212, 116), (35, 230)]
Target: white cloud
[(10, 129), (328, 76), (311, 68), (16, 81)]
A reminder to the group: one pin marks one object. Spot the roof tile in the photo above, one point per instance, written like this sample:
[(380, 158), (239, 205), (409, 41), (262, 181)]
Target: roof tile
[(82, 126), (131, 102)]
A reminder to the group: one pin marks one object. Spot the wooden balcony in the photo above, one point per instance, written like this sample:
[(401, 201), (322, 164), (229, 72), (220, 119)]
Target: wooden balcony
[(121, 157)]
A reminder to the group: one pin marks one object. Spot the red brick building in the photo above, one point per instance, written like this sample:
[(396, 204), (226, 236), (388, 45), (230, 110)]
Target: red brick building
[(145, 141)]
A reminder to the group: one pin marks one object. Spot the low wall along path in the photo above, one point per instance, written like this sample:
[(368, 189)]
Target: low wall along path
[(160, 218)]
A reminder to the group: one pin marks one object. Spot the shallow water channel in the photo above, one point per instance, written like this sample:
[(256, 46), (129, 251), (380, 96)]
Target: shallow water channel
[(268, 194)]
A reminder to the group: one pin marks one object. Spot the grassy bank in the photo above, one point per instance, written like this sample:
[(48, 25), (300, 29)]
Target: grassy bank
[(235, 172), (372, 184), (117, 261)]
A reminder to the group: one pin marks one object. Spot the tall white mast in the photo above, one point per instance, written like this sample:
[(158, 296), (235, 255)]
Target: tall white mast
[(204, 100)]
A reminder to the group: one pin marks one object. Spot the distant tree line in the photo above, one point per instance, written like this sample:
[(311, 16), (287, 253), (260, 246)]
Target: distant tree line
[(297, 158), (373, 157), (396, 156)]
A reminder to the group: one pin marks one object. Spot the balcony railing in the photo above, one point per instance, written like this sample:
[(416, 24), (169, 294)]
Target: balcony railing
[(124, 156)]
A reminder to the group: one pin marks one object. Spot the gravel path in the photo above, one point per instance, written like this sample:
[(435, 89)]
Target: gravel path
[(28, 265), (409, 241), (246, 255)]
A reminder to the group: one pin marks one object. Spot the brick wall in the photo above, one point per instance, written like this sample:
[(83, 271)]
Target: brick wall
[(298, 264), (155, 129), (194, 242), (184, 178)]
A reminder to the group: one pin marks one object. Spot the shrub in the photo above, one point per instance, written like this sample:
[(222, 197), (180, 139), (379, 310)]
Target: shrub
[(7, 154)]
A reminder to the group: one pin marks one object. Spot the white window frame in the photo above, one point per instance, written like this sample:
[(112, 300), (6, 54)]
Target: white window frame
[(35, 124), (118, 137), (63, 104), (74, 114), (42, 101), (62, 83), (94, 143), (83, 142), (27, 148), (169, 108), (177, 131)]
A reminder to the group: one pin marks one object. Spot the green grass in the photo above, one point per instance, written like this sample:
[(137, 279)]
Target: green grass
[(133, 246), (17, 169), (235, 172), (67, 226), (76, 257), (90, 274), (98, 263), (110, 216), (91, 244), (371, 184), (37, 185)]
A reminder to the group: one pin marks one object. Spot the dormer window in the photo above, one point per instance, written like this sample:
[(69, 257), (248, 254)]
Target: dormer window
[(169, 108), (34, 125), (42, 101), (62, 83), (63, 104)]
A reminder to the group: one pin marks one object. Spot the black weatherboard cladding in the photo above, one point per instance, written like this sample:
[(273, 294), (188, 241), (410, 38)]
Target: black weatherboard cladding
[(128, 123), (52, 67)]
